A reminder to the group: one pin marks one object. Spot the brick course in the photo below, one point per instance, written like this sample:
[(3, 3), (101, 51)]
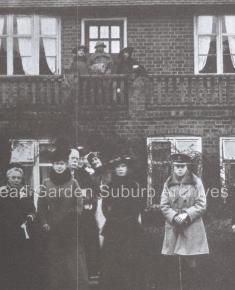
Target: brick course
[(88, 3)]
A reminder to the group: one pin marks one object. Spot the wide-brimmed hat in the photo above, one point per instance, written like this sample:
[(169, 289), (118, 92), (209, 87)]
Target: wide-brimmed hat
[(92, 155), (127, 49), (60, 155), (120, 160), (75, 49), (180, 158), (100, 43)]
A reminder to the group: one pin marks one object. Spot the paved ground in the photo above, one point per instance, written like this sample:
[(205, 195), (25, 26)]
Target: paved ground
[(216, 271)]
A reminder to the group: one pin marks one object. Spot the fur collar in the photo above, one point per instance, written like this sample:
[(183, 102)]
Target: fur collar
[(188, 179), (59, 179)]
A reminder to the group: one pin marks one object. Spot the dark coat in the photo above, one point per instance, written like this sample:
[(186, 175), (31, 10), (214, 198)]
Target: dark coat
[(125, 66), (123, 237), (232, 192), (88, 220), (15, 205), (66, 256), (79, 66)]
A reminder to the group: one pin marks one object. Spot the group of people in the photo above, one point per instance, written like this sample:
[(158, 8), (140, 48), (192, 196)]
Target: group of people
[(101, 62), (87, 224)]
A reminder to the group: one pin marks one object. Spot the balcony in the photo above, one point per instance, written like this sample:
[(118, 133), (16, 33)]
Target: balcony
[(116, 93), (194, 91), (103, 92), (36, 93), (54, 93)]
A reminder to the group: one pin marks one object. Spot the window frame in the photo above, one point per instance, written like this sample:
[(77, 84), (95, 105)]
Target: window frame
[(219, 45), (36, 164), (84, 22), (35, 36), (224, 179)]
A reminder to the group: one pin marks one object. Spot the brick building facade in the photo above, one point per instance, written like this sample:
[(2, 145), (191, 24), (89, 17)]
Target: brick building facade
[(188, 99)]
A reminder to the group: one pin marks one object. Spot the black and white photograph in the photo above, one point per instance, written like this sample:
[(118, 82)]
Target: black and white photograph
[(117, 144)]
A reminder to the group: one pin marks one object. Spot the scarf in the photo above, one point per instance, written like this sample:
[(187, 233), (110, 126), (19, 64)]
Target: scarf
[(62, 178)]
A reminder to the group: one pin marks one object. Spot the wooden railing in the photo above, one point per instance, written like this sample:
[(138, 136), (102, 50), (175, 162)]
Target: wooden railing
[(32, 92), (99, 91), (56, 92), (191, 90), (114, 92)]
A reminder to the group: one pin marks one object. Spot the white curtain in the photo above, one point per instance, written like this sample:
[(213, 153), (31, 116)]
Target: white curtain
[(205, 25), (49, 28), (25, 44), (230, 29), (1, 28)]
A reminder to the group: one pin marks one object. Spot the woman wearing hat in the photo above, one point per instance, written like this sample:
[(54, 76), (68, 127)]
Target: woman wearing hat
[(16, 215), (125, 61), (79, 64), (100, 61), (183, 203), (122, 252), (78, 67), (59, 209)]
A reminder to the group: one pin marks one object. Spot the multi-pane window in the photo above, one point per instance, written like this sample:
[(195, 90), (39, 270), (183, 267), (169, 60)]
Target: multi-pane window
[(111, 32), (29, 45), (227, 162), (215, 44), (3, 45), (34, 156)]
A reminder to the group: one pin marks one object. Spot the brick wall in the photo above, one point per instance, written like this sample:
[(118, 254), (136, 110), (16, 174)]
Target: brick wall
[(163, 43)]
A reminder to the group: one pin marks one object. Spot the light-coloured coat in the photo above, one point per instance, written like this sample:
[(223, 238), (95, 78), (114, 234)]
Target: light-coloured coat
[(189, 197)]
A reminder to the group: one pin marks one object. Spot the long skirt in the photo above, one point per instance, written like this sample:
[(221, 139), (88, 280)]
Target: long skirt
[(67, 267), (123, 263)]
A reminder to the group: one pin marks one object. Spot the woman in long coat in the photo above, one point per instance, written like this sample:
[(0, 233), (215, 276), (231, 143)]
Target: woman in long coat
[(123, 236), (59, 209), (16, 215), (183, 203)]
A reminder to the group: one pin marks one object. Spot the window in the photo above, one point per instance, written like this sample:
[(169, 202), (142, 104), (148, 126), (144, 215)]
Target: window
[(34, 157), (159, 151), (29, 45), (227, 161), (215, 44), (111, 31)]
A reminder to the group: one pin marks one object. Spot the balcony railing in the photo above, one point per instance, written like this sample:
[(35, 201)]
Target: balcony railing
[(32, 93), (103, 91), (116, 92), (191, 90), (55, 93)]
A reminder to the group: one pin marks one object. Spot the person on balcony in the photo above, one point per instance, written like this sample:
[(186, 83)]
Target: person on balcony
[(125, 61), (88, 220), (123, 254), (100, 62), (79, 65), (60, 206), (183, 203), (17, 212)]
